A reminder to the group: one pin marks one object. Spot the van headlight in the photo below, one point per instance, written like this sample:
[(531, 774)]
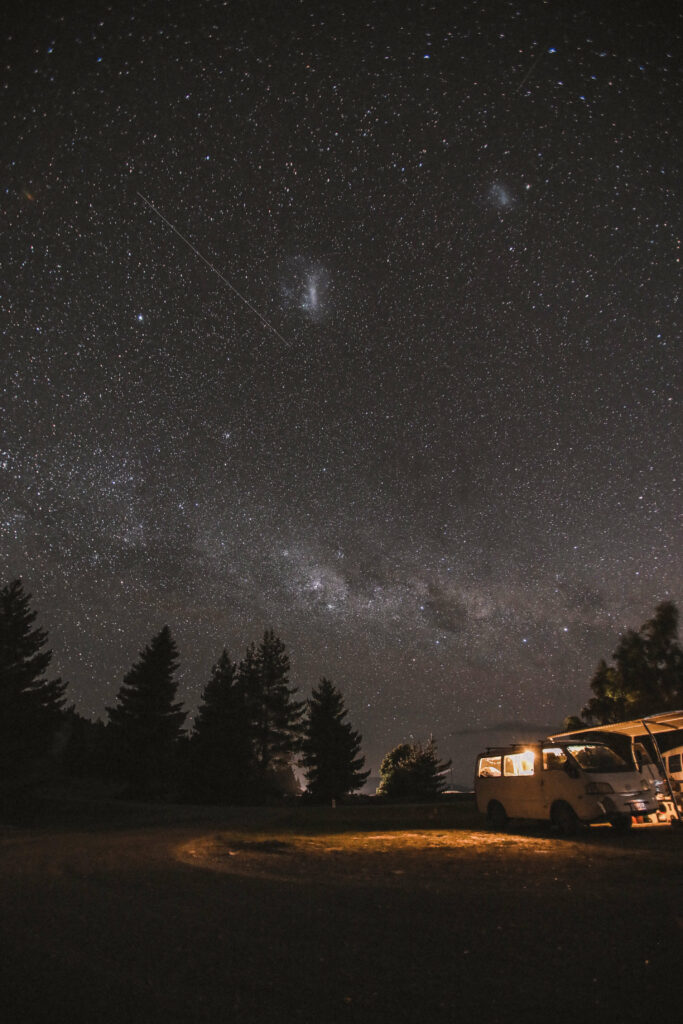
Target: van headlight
[(593, 788)]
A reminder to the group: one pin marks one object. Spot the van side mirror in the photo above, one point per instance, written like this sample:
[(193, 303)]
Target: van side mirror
[(571, 770)]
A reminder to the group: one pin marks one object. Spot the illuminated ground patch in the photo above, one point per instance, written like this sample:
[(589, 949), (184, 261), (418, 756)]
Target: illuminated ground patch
[(420, 858)]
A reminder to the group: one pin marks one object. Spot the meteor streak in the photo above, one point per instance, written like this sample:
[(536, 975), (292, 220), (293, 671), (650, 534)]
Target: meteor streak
[(211, 266), (531, 70)]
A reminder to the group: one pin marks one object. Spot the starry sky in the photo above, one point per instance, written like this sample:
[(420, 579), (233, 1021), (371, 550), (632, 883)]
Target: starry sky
[(358, 321)]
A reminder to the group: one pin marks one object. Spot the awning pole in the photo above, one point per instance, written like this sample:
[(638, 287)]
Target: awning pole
[(664, 770)]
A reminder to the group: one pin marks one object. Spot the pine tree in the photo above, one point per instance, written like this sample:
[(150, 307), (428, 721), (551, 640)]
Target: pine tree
[(222, 764), (330, 747), (30, 705), (146, 723), (412, 771), (274, 713)]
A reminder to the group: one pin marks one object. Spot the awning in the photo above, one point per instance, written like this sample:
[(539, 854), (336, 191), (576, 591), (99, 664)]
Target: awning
[(665, 722)]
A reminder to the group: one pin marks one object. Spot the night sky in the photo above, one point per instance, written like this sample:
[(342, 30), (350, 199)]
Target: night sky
[(354, 320)]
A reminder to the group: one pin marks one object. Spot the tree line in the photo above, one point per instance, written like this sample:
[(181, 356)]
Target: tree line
[(249, 732)]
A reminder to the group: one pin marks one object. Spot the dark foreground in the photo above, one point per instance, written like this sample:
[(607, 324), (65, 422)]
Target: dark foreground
[(360, 915)]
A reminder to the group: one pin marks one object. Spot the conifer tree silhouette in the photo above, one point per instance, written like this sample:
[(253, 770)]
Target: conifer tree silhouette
[(330, 747), (146, 722), (30, 705)]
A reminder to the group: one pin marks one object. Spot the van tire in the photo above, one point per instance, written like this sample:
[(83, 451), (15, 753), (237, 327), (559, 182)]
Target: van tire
[(622, 823), (495, 812), (564, 819)]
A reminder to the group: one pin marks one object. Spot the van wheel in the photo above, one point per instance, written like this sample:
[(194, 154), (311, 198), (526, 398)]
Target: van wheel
[(564, 819), (495, 812), (622, 823)]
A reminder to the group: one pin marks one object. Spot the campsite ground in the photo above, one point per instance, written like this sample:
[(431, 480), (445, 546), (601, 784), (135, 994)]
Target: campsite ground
[(355, 914)]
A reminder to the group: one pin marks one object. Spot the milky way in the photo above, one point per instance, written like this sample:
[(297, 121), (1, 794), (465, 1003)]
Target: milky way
[(448, 476)]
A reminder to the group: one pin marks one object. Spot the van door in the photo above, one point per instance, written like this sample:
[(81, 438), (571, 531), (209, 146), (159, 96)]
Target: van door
[(519, 788), (556, 782)]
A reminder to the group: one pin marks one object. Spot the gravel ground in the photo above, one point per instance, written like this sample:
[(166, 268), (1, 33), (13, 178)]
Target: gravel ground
[(362, 917)]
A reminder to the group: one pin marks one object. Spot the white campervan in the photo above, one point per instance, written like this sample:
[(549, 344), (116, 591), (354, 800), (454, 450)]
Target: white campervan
[(567, 783), (653, 745)]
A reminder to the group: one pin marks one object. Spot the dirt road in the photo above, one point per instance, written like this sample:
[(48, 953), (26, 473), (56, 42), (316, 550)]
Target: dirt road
[(283, 924)]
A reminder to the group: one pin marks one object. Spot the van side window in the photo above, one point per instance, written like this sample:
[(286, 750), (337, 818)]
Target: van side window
[(675, 763), (489, 767), (521, 763), (554, 759)]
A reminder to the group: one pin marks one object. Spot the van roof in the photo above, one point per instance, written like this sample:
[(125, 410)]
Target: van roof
[(507, 748), (568, 737), (510, 748)]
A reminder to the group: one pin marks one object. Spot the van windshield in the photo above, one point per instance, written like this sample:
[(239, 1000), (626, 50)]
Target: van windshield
[(593, 757)]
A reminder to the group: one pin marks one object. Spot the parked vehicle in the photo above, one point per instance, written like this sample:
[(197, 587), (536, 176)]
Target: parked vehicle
[(674, 764), (653, 745), (569, 783)]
